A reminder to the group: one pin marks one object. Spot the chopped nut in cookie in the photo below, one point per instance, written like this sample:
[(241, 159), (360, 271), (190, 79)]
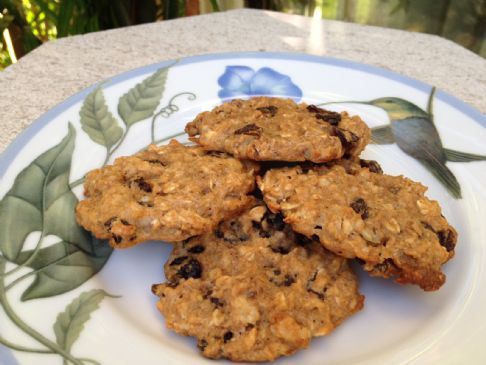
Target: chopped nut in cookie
[(357, 212), (257, 299), (166, 193), (272, 129)]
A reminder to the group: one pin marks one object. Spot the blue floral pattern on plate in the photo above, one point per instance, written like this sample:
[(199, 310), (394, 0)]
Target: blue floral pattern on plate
[(243, 81)]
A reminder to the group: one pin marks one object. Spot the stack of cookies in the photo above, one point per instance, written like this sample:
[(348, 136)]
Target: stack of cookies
[(265, 213)]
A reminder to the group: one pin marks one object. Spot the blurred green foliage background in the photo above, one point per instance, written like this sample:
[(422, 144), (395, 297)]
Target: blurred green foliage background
[(25, 24)]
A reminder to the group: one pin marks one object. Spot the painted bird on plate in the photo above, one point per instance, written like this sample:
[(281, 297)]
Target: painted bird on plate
[(414, 131)]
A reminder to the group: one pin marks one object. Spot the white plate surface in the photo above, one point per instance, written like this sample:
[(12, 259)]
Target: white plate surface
[(398, 325)]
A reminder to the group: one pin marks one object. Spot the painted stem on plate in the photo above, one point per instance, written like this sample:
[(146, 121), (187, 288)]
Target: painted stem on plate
[(28, 260), (30, 273), (55, 348), (113, 150), (21, 348), (167, 111), (79, 181), (162, 140)]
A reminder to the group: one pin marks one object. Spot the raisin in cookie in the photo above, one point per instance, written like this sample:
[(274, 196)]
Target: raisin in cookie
[(271, 129), (253, 290), (165, 193), (385, 221)]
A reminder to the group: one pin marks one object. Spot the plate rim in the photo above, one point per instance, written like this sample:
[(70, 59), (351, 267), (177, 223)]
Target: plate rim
[(23, 139), (15, 146)]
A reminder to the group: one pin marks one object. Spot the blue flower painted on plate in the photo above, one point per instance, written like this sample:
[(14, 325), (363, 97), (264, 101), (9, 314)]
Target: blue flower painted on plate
[(241, 81)]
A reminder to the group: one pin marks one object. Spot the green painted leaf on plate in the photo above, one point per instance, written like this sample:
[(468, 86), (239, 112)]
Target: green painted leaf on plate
[(98, 122), (141, 101), (62, 267), (70, 323), (40, 200)]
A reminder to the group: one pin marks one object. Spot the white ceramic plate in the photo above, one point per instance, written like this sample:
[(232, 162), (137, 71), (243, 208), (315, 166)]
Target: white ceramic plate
[(58, 305)]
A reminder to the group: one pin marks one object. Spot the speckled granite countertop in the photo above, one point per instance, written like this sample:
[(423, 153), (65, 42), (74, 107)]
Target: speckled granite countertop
[(61, 68)]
